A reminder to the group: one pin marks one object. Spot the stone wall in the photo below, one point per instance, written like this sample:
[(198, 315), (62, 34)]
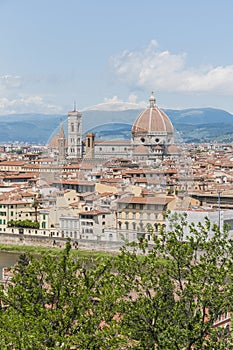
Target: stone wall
[(18, 239)]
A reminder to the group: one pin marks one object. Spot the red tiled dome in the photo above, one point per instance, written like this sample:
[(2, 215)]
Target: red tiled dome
[(152, 121)]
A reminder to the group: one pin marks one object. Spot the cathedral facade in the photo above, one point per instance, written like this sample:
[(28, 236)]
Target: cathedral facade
[(152, 138)]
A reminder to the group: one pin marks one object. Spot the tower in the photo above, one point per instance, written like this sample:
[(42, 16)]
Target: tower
[(61, 145), (74, 134), (90, 145)]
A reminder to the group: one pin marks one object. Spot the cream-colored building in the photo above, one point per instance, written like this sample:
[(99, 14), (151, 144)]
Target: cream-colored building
[(15, 210), (141, 215)]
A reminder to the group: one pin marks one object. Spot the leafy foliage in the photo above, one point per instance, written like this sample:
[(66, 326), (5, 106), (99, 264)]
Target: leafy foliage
[(162, 297), (23, 223)]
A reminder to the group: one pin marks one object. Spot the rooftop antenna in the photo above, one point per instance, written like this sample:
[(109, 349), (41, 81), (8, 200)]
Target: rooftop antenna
[(74, 106)]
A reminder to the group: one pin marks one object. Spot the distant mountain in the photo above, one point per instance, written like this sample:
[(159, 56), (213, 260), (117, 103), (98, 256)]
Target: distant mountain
[(31, 128), (196, 116), (112, 131), (192, 125)]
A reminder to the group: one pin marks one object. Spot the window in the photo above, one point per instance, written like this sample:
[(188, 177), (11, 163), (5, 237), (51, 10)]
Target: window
[(72, 127), (134, 226), (126, 225)]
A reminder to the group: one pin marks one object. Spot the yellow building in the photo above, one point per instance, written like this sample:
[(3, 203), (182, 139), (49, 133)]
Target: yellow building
[(15, 210), (141, 215)]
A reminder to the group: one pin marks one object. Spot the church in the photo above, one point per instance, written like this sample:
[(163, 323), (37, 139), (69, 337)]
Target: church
[(152, 139)]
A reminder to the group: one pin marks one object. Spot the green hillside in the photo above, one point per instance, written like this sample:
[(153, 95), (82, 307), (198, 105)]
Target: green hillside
[(192, 125)]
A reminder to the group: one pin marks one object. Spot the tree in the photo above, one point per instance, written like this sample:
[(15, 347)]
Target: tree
[(179, 287), (164, 296), (55, 302)]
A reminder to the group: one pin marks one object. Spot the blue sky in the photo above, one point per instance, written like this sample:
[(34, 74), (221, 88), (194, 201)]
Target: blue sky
[(55, 52)]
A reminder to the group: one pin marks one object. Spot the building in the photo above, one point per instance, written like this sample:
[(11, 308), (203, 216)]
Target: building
[(152, 133), (152, 138), (74, 134), (141, 215)]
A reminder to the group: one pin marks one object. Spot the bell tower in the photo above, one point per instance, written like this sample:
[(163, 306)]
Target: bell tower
[(90, 145), (74, 134)]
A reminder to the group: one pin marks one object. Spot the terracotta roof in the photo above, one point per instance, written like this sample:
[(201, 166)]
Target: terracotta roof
[(112, 143), (12, 163), (152, 120), (141, 149), (145, 200), (75, 182), (93, 212), (54, 141)]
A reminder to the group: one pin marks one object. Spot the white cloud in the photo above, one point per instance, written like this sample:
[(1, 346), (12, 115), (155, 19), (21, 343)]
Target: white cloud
[(116, 104), (10, 81), (26, 104), (162, 70)]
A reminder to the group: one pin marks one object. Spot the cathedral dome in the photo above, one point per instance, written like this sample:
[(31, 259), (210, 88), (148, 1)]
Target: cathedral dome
[(152, 121)]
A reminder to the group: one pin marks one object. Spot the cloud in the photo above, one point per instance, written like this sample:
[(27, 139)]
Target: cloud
[(10, 82), (116, 104), (27, 104), (152, 69)]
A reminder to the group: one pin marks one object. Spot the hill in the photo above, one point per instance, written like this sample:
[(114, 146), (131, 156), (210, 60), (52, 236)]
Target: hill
[(192, 125)]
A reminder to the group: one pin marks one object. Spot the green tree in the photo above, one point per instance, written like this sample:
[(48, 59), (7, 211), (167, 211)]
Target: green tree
[(59, 302), (178, 287), (161, 296)]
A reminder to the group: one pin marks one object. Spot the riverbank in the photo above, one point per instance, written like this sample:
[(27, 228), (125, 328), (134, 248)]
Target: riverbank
[(39, 245), (37, 250)]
